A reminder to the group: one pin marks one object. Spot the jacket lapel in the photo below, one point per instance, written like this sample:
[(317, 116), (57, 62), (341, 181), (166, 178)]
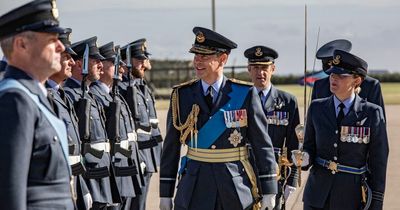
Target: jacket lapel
[(223, 97), (271, 100), (198, 96), (354, 112), (329, 111)]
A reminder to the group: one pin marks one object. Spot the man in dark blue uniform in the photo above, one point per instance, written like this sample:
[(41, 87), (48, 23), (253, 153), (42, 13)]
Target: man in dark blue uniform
[(345, 143), (370, 87), (118, 123), (96, 148), (282, 115), (35, 173), (215, 118), (64, 109), (144, 114)]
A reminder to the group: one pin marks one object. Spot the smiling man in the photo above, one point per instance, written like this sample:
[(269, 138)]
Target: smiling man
[(216, 118), (282, 115), (33, 149)]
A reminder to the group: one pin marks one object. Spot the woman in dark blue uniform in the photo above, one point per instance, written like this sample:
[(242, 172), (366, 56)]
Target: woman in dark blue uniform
[(345, 143)]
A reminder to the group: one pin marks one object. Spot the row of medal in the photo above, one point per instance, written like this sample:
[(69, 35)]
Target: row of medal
[(355, 134), (278, 118), (235, 118)]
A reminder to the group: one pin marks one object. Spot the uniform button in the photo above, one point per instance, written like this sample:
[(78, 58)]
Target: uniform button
[(336, 131), (213, 146), (335, 145), (210, 117), (91, 117), (334, 158), (147, 110), (55, 138)]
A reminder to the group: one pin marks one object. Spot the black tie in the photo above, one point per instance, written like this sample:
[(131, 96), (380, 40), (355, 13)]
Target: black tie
[(209, 97), (261, 97), (340, 115)]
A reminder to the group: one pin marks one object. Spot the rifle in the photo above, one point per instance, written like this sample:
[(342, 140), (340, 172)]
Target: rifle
[(131, 91), (114, 110), (83, 105)]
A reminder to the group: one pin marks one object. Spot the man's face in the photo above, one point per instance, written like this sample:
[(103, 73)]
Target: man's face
[(108, 71), (95, 68), (66, 64), (343, 84), (138, 67), (45, 53), (261, 74), (207, 66)]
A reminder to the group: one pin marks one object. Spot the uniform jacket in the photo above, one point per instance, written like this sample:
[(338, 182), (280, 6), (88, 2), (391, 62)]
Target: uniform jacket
[(99, 188), (370, 91), (66, 112), (141, 116), (124, 183), (322, 140), (202, 183), (282, 102), (34, 171)]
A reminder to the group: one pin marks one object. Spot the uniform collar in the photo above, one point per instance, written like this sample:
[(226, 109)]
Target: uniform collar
[(215, 86), (347, 103), (103, 86), (53, 84)]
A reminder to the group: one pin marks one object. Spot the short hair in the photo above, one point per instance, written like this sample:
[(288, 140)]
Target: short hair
[(7, 43)]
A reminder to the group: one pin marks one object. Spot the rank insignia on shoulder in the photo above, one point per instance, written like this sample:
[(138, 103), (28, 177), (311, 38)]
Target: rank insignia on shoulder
[(278, 118), (241, 82), (185, 83), (355, 134), (235, 118)]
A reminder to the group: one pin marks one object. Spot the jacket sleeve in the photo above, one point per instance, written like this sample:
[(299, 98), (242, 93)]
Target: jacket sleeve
[(377, 159), (17, 122), (291, 139), (309, 136), (261, 144), (169, 158)]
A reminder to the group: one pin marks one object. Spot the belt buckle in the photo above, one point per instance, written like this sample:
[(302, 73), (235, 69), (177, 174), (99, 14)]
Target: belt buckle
[(333, 167)]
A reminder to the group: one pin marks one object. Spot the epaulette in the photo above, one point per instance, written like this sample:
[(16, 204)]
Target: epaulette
[(241, 82), (185, 83)]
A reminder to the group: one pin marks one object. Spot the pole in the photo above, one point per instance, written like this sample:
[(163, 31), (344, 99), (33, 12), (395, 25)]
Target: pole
[(305, 63), (213, 14)]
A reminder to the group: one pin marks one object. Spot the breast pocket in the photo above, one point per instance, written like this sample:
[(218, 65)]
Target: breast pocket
[(96, 126)]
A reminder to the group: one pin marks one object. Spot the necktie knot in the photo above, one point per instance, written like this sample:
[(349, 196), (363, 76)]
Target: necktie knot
[(209, 96)]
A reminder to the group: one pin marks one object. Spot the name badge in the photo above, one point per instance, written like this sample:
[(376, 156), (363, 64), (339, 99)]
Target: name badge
[(355, 134), (278, 118), (235, 118)]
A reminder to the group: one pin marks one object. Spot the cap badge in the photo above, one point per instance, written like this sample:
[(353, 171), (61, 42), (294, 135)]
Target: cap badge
[(200, 37), (69, 37), (54, 9), (143, 47), (336, 60), (258, 52)]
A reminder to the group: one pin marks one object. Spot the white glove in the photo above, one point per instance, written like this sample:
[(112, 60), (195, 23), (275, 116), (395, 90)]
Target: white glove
[(87, 199), (288, 191), (268, 201), (305, 162), (165, 203), (143, 166)]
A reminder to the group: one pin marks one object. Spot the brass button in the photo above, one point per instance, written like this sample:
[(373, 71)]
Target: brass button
[(336, 131), (335, 158), (213, 146), (335, 145)]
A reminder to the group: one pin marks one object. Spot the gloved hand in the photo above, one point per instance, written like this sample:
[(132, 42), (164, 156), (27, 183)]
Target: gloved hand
[(87, 199), (268, 201), (306, 159), (288, 191), (143, 166), (165, 203)]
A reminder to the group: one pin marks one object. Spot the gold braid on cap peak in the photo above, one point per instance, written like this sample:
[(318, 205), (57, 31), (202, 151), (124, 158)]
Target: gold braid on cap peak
[(190, 126)]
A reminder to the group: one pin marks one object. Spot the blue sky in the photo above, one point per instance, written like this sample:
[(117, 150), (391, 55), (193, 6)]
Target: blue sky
[(372, 26)]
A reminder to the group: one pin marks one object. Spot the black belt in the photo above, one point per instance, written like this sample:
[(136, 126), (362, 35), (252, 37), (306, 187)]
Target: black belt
[(78, 169), (96, 173), (147, 144), (125, 171)]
